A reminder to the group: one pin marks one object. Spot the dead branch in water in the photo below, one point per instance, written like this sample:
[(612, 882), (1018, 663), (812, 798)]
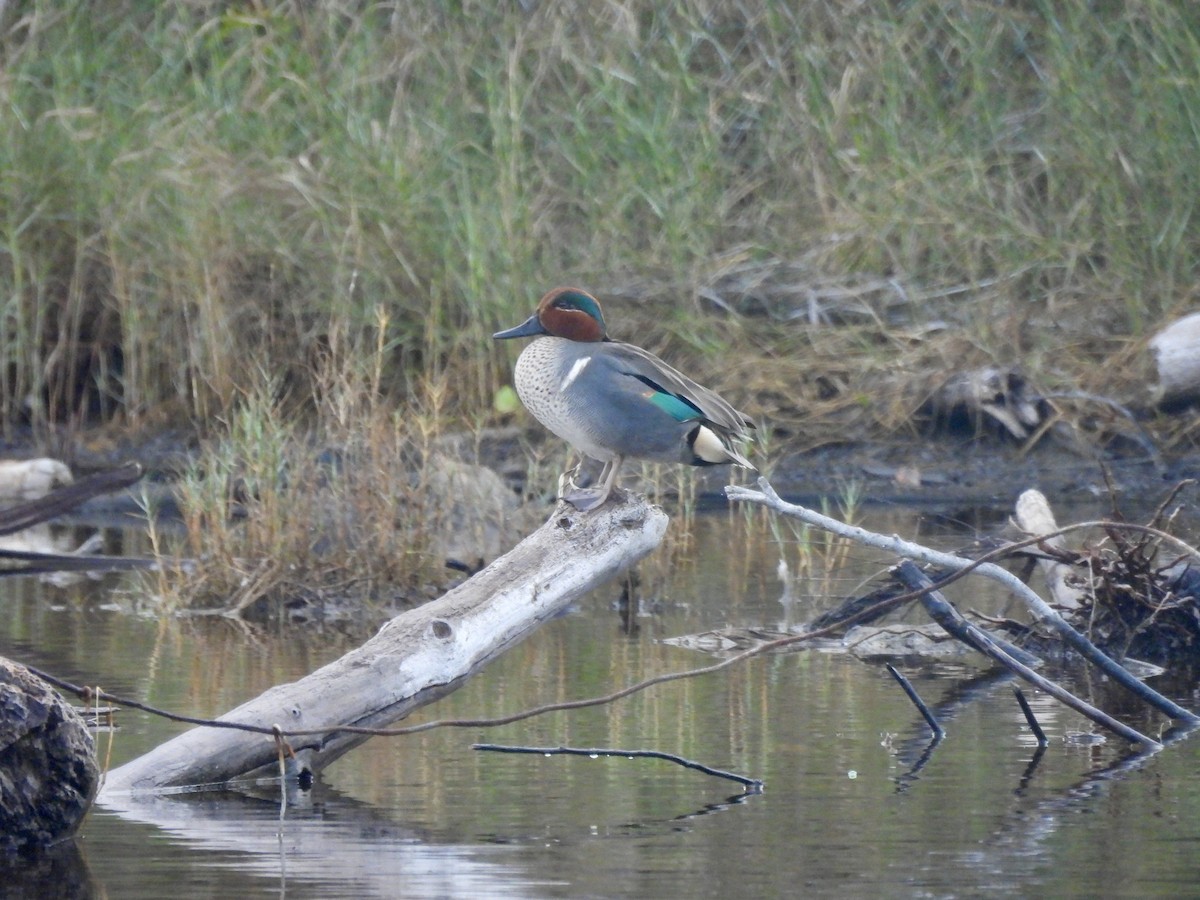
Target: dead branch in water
[(935, 726), (1030, 718), (766, 496), (752, 785), (941, 610)]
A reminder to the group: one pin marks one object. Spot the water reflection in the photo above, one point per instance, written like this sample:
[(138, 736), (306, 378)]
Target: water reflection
[(320, 843), (856, 801)]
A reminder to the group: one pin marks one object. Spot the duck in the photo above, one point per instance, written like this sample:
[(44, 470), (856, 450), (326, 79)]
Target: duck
[(614, 401)]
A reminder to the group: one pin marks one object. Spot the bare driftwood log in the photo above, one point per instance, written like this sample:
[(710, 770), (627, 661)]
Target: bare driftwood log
[(416, 658), (1177, 357), (1034, 516), (1003, 396)]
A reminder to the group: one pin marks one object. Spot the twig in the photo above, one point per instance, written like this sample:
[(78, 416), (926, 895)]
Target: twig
[(284, 750), (89, 694), (752, 785), (941, 610), (1107, 524), (1170, 498), (1042, 740), (96, 695), (766, 496), (938, 731)]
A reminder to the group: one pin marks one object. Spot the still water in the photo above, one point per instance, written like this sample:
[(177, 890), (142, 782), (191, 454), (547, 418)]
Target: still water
[(856, 801)]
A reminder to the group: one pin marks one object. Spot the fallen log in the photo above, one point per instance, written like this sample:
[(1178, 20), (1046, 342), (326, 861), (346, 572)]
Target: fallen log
[(416, 658)]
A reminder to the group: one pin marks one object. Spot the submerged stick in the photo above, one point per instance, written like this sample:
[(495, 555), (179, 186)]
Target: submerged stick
[(752, 785), (943, 612), (766, 496), (1034, 725), (938, 731)]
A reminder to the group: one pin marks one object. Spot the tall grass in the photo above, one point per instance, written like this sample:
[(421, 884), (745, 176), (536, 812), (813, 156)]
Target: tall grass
[(362, 504), (192, 192)]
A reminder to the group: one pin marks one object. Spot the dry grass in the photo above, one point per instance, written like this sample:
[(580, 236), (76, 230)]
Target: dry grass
[(197, 192), (811, 206), (362, 505)]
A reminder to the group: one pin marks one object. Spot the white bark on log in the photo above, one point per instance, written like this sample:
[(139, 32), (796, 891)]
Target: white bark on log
[(1034, 516), (417, 657)]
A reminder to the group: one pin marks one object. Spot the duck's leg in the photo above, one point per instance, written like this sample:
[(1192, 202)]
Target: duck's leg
[(577, 495), (584, 499), (567, 479)]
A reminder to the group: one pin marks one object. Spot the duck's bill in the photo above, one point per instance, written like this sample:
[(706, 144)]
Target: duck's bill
[(528, 328)]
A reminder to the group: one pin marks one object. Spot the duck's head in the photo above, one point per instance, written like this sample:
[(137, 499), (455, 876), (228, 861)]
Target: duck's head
[(566, 313)]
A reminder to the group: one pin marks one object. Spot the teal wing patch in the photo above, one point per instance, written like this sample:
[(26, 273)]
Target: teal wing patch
[(673, 405)]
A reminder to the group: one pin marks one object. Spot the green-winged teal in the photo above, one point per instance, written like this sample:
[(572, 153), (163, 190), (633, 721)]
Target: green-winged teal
[(611, 400)]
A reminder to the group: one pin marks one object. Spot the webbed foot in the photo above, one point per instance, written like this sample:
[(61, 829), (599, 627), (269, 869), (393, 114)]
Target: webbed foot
[(584, 499)]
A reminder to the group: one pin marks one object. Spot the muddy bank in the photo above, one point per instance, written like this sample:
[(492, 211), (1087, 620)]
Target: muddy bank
[(985, 474), (941, 472)]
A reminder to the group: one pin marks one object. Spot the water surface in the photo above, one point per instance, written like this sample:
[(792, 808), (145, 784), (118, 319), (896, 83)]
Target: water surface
[(856, 801)]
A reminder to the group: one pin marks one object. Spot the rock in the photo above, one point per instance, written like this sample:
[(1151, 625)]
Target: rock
[(474, 511), (30, 479), (48, 770), (1177, 357)]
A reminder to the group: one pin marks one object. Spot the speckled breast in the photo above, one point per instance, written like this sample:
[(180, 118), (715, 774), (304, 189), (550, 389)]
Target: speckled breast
[(547, 381)]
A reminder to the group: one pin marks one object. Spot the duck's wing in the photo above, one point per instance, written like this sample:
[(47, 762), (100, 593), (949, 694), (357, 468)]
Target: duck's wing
[(678, 394)]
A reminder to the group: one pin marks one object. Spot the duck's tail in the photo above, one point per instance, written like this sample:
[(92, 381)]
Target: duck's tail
[(710, 448)]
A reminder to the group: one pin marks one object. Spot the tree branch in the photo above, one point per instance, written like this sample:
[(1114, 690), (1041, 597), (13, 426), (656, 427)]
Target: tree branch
[(766, 496)]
